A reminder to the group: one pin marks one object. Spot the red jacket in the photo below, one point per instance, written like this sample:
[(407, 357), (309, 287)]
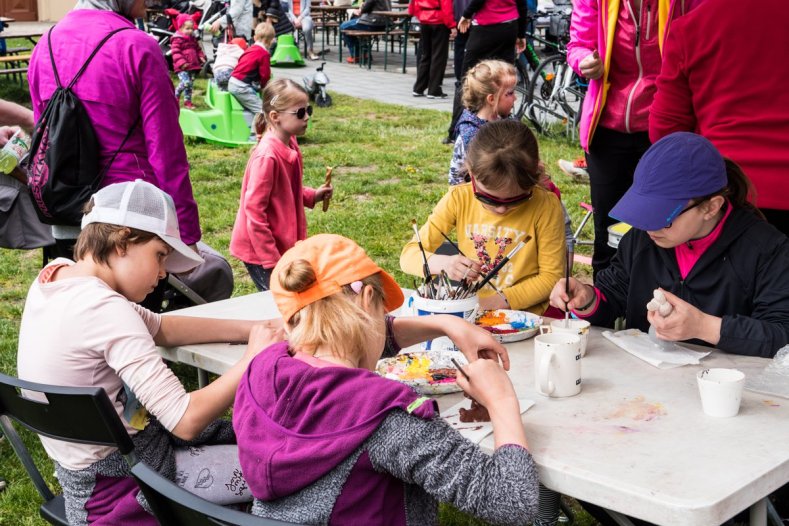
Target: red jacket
[(254, 66), (187, 55), (723, 77), (271, 214), (433, 12)]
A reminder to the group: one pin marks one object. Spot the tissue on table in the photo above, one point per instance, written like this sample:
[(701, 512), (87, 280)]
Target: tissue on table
[(664, 355)]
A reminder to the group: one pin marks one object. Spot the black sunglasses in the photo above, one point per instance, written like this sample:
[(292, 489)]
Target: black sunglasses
[(301, 112), (494, 201)]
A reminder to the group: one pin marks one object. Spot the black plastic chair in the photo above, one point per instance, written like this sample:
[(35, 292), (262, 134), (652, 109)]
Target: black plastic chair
[(83, 415), (174, 506)]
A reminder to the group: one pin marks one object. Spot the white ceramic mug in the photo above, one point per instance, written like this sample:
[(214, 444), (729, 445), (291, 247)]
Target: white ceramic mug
[(557, 364), (721, 391), (579, 327)]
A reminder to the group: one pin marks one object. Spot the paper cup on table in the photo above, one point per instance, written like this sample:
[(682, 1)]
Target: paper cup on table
[(557, 364), (721, 391), (579, 327), (464, 308)]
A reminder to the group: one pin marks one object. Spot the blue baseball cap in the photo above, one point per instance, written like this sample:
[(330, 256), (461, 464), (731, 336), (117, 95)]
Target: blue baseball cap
[(679, 167)]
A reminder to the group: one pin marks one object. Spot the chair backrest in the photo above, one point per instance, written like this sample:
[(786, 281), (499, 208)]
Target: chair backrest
[(83, 415), (174, 506)]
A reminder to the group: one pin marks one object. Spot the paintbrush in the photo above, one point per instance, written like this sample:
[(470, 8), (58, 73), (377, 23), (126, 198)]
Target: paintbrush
[(503, 262), (447, 238), (425, 267), (567, 291), (327, 182), (459, 368)]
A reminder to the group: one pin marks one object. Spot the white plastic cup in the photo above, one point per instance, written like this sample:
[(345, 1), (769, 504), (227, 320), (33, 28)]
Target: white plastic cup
[(721, 391), (425, 307), (579, 327), (557, 364)]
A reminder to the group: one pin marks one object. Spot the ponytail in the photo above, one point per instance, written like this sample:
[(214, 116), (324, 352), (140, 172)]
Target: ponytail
[(739, 190)]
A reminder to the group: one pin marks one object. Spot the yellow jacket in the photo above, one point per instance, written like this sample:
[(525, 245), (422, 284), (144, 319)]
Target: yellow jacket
[(528, 278)]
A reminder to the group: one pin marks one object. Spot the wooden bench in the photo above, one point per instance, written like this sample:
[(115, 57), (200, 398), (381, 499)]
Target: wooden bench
[(15, 66), (366, 39)]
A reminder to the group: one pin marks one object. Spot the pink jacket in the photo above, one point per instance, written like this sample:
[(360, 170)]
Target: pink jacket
[(271, 214), (127, 79), (186, 50), (595, 24)]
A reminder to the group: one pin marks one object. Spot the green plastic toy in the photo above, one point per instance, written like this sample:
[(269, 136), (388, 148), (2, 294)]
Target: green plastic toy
[(223, 124), (286, 54)]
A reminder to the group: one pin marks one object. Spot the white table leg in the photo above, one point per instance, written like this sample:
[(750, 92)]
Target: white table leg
[(759, 513)]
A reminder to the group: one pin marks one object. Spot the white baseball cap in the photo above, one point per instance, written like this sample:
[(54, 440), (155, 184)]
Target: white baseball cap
[(138, 204)]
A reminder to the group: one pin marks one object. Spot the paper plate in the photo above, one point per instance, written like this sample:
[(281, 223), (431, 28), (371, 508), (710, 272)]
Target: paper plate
[(430, 372), (509, 325)]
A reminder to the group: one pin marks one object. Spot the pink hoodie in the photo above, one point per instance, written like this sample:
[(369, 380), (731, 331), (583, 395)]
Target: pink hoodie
[(621, 98)]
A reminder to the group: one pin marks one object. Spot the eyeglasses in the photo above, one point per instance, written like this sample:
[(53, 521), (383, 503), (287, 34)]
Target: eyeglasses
[(492, 200), (301, 112), (700, 200)]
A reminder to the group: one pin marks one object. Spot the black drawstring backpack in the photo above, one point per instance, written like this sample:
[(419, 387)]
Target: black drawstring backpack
[(63, 164)]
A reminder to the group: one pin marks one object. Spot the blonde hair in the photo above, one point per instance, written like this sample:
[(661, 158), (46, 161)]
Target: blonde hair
[(337, 321), (504, 150), (486, 78), (259, 124), (279, 95), (264, 32)]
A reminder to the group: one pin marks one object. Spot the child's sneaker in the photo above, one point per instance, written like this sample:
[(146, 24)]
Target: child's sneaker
[(575, 169), (188, 105), (351, 60)]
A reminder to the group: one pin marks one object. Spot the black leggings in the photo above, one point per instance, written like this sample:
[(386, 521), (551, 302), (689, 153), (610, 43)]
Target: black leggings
[(496, 41), (611, 162)]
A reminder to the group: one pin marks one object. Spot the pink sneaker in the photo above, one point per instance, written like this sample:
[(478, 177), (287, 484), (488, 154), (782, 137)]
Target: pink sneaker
[(188, 105)]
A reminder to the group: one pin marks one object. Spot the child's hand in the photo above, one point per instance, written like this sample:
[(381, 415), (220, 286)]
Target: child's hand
[(685, 322), (580, 295), (489, 385), (263, 335), (462, 268), (324, 191), (475, 342)]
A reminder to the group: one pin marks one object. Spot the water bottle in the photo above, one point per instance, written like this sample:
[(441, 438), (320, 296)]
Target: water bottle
[(13, 151)]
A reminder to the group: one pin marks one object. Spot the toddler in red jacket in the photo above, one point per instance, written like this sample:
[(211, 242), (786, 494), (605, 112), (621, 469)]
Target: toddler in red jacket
[(271, 214), (188, 58)]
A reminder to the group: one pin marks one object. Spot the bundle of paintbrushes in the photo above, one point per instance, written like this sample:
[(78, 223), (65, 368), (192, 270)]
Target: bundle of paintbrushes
[(441, 288)]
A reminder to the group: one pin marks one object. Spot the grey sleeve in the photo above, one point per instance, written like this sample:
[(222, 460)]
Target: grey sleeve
[(501, 488)]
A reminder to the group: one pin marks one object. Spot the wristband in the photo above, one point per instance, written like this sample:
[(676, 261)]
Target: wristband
[(588, 305)]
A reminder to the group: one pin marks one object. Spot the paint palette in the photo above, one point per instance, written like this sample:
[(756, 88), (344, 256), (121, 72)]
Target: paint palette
[(429, 372), (509, 325)]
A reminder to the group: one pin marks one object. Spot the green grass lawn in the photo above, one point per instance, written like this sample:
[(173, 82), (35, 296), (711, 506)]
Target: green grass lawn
[(390, 167)]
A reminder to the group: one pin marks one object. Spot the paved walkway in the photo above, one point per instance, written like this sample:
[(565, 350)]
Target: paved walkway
[(391, 86)]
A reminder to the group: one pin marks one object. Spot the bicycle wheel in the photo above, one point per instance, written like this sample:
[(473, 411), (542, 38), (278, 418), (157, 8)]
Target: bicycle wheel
[(554, 98), (521, 88)]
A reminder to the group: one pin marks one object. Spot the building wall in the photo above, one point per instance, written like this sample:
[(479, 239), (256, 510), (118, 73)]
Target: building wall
[(54, 10)]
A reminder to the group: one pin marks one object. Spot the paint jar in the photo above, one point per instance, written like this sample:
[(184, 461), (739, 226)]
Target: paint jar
[(465, 308), (721, 391)]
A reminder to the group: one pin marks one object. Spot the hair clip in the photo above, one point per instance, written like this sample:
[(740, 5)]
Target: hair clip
[(274, 99), (357, 286)]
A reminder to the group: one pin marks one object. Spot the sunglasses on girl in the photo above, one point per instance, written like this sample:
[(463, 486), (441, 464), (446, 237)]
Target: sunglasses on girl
[(301, 112), (691, 207), (492, 200)]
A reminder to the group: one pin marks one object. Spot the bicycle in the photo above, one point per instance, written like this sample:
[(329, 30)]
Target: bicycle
[(555, 97), (527, 62)]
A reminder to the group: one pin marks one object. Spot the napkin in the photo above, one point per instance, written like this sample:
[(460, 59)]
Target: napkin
[(474, 431), (663, 355)]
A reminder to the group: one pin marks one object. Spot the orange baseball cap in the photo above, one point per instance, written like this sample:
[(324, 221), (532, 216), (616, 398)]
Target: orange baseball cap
[(337, 261)]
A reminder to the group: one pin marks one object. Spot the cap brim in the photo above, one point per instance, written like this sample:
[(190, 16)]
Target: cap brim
[(394, 294), (646, 212), (182, 258)]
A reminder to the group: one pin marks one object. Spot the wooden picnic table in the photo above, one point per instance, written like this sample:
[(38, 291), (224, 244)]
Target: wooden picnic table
[(7, 19), (329, 15)]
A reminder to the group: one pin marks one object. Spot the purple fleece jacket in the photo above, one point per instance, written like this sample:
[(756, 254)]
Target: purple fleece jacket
[(295, 423), (127, 80)]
